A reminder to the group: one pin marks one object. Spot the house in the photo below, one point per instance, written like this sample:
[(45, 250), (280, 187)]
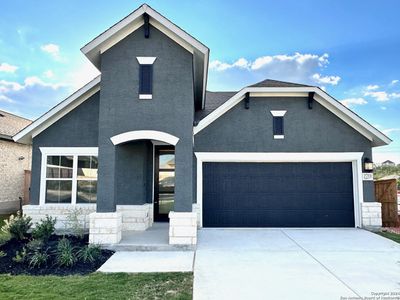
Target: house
[(146, 142), (15, 159), (388, 163)]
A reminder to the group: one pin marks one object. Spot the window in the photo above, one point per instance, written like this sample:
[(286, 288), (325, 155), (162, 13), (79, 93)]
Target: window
[(146, 80), (146, 77), (69, 176), (278, 124)]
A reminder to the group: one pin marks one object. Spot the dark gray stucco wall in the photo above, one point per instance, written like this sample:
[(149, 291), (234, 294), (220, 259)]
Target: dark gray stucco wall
[(79, 128), (315, 130), (171, 110), (133, 173)]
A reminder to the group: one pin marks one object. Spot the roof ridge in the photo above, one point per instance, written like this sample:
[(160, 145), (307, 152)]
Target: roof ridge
[(15, 115)]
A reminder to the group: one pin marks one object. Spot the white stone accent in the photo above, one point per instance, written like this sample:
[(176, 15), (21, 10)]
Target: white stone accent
[(197, 209), (105, 228), (183, 228), (63, 212), (134, 217), (371, 214)]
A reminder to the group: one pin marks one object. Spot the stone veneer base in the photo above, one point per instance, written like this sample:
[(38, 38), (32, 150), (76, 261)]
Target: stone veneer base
[(105, 228), (134, 217), (371, 214), (183, 228)]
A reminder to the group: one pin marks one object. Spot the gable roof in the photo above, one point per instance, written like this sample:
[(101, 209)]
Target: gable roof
[(134, 21), (58, 111), (277, 83), (213, 101), (269, 88), (10, 124)]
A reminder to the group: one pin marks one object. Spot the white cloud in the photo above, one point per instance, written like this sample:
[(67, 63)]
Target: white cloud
[(333, 80), (395, 95), (372, 87), (6, 86), (394, 81), (5, 67), (379, 96), (390, 130), (53, 50), (4, 98), (383, 107), (81, 75), (302, 68), (349, 102), (48, 74)]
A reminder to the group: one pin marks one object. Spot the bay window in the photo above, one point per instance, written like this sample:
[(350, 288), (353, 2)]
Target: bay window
[(69, 175)]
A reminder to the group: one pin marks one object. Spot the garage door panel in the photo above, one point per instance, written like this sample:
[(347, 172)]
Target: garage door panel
[(298, 195)]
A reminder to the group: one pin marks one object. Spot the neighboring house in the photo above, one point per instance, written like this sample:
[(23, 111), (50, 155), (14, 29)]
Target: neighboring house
[(274, 154), (15, 158), (388, 163)]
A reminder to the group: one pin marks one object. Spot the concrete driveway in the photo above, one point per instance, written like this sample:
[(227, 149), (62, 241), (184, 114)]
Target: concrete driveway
[(294, 264)]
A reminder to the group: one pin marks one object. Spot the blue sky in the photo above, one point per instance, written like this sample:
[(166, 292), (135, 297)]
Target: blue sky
[(350, 48)]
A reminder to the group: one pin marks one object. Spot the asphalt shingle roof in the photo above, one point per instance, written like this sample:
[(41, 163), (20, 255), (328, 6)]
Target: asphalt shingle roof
[(11, 124), (216, 99)]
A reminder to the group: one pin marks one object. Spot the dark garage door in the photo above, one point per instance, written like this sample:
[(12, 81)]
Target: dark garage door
[(278, 195)]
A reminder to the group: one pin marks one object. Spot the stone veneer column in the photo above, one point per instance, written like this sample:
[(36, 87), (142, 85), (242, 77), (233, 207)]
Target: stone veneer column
[(105, 228), (371, 214), (183, 228)]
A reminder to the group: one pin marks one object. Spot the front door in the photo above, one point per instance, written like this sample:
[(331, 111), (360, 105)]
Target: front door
[(164, 182)]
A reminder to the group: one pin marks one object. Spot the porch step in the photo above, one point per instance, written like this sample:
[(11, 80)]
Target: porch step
[(149, 247)]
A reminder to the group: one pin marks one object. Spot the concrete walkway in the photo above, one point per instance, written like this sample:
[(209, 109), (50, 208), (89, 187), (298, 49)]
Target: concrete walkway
[(294, 264), (149, 262)]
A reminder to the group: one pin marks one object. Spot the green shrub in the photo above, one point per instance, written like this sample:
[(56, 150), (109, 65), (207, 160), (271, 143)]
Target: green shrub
[(89, 253), (5, 236), (65, 253), (35, 245), (44, 229), (20, 256), (38, 259), (2, 254), (73, 224), (18, 226)]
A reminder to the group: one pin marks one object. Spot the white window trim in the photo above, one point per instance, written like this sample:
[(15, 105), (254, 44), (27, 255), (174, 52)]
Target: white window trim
[(146, 60), (354, 157), (145, 96), (278, 113), (279, 137), (70, 151)]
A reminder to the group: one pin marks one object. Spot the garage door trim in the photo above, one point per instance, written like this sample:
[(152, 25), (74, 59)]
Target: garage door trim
[(280, 157)]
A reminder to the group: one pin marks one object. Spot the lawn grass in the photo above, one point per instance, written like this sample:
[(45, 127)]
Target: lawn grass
[(390, 235), (98, 286)]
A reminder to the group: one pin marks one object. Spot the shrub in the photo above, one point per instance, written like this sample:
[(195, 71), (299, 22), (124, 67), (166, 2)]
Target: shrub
[(73, 225), (89, 253), (2, 254), (65, 253), (5, 236), (44, 229), (20, 256), (38, 259), (18, 226), (35, 245)]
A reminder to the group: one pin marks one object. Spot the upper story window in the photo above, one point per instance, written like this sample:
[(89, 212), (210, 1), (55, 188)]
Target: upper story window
[(69, 175), (146, 77), (278, 123)]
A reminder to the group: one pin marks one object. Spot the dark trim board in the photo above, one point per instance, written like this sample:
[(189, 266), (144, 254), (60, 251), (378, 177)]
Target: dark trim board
[(278, 194)]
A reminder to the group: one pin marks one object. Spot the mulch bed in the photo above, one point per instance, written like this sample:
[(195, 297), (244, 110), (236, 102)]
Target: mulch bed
[(392, 229), (8, 266)]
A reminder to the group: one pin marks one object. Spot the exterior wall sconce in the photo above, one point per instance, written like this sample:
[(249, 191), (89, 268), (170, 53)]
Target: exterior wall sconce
[(368, 165)]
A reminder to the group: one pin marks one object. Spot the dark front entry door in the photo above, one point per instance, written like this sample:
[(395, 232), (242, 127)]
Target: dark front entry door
[(164, 182), (278, 195)]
